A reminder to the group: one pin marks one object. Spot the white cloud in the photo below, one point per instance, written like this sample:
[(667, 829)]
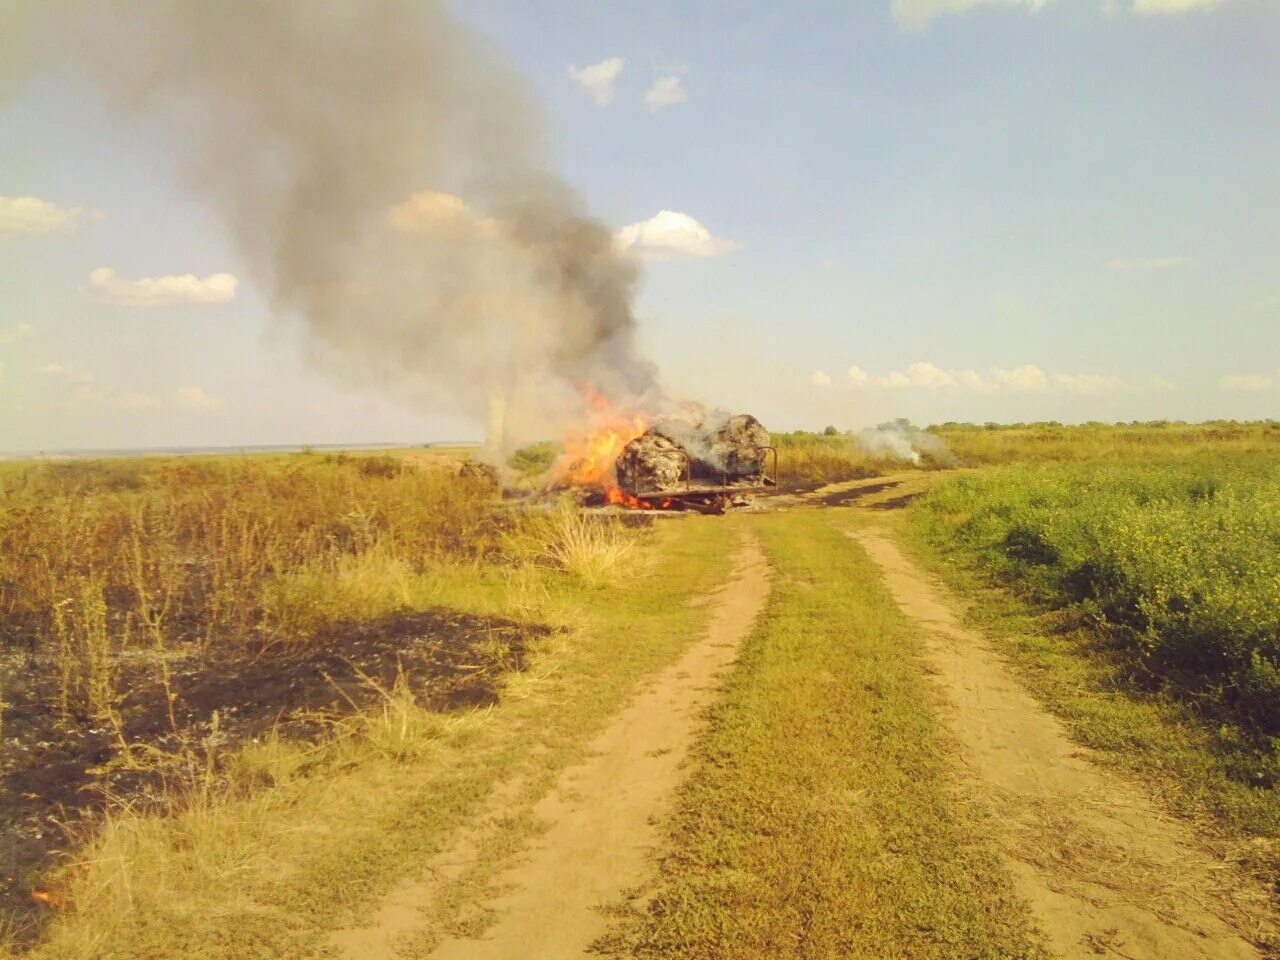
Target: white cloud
[(929, 376), (1027, 377), (665, 92), (1246, 383), (33, 215), (670, 235), (162, 291), (1155, 8), (917, 14), (441, 214), (820, 379), (17, 334), (599, 79), (195, 398), (65, 373), (122, 401), (1149, 263), (1091, 384), (972, 380)]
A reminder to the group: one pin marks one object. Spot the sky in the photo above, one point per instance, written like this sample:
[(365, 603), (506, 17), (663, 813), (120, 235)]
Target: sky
[(978, 210)]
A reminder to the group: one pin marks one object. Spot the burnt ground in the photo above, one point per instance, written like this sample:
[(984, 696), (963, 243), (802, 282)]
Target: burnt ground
[(55, 777), (846, 498), (799, 487)]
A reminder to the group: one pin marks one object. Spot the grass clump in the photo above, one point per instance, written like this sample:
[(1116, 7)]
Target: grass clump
[(594, 549), (534, 460), (811, 459)]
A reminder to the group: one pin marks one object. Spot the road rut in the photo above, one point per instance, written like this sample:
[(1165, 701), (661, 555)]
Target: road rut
[(601, 819), (1105, 873)]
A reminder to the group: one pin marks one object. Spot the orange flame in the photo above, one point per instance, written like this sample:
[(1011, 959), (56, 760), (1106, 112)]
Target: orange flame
[(589, 458)]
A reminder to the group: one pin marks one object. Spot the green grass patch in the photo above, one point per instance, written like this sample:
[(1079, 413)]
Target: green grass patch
[(824, 819), (1180, 559)]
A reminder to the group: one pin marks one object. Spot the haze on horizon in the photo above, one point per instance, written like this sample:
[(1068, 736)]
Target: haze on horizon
[(936, 209)]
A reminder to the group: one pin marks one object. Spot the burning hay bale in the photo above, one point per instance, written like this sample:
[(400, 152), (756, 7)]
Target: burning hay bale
[(653, 461), (724, 453)]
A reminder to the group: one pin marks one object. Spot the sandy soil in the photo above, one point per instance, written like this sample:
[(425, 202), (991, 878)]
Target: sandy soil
[(1105, 873), (601, 820)]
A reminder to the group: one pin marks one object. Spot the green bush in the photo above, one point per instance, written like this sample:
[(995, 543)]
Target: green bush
[(1181, 558), (534, 460)]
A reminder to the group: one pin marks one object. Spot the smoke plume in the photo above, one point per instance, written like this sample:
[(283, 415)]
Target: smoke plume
[(383, 175), (901, 440)]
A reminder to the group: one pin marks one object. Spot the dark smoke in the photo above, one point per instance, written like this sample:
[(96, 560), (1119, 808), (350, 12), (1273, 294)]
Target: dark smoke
[(384, 176)]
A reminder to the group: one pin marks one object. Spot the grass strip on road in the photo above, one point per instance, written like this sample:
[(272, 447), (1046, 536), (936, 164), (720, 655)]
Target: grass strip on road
[(824, 819)]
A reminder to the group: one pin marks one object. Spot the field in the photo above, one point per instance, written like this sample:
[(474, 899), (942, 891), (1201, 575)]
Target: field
[(1181, 560), (157, 614), (318, 705), (1140, 598)]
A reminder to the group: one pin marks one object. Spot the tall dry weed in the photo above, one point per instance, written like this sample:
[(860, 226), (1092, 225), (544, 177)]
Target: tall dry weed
[(196, 557), (594, 549)]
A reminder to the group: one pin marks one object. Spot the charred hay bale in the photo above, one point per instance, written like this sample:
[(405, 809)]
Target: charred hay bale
[(695, 439), (652, 461), (738, 445)]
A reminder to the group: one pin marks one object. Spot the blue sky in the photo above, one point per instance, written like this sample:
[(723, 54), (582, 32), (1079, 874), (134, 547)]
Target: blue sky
[(939, 209)]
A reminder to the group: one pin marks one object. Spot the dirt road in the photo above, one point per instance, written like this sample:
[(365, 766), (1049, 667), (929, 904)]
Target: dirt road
[(601, 819), (1104, 872)]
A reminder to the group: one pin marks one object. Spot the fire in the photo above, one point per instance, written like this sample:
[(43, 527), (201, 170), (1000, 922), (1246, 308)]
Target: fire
[(46, 897), (615, 494), (589, 458)]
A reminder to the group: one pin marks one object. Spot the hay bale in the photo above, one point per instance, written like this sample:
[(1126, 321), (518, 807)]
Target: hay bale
[(651, 462), (724, 451), (738, 446)]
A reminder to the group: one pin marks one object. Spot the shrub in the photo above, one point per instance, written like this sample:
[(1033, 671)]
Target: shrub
[(1184, 556), (533, 460)]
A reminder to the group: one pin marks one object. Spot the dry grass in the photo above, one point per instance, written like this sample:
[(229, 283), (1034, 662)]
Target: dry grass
[(284, 840), (594, 549), (236, 557), (1020, 443), (809, 459), (206, 560)]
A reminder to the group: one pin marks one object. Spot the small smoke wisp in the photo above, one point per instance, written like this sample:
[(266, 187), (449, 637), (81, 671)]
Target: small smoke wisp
[(901, 440), (383, 174)]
